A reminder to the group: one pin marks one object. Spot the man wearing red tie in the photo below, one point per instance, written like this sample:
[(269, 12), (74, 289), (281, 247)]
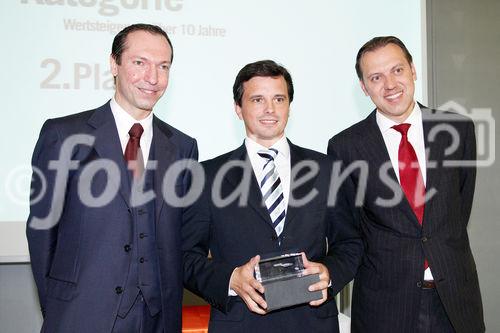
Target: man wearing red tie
[(113, 265), (417, 273)]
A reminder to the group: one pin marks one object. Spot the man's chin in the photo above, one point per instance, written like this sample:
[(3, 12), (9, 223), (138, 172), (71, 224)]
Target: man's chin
[(148, 107)]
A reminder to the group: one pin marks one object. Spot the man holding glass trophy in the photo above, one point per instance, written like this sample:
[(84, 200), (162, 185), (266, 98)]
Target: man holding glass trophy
[(280, 249)]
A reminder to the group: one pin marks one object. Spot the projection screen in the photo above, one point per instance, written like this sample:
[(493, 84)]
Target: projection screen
[(56, 62)]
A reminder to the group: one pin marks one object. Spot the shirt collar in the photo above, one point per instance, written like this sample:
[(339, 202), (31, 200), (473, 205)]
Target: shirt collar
[(124, 121), (281, 146), (414, 119)]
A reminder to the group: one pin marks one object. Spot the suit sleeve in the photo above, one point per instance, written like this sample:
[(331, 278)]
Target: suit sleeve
[(42, 242), (468, 173), (206, 277), (190, 153), (345, 246)]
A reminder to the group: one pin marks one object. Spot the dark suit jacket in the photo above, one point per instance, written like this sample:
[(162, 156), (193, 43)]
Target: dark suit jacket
[(386, 296), (79, 263), (235, 233)]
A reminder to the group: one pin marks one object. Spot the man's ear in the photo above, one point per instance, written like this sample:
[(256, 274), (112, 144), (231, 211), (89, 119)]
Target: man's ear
[(363, 87), (413, 72), (237, 109), (113, 66)]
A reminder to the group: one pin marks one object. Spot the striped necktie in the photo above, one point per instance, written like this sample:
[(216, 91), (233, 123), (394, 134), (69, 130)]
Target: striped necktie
[(272, 190)]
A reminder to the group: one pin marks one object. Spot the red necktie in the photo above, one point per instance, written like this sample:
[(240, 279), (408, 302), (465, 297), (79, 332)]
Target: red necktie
[(133, 153), (410, 176)]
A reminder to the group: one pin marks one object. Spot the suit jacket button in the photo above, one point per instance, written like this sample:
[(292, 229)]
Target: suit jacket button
[(419, 284), (274, 237), (118, 290), (127, 248), (141, 260), (424, 239)]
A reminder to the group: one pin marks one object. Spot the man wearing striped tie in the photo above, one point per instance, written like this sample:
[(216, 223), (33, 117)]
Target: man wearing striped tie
[(267, 196)]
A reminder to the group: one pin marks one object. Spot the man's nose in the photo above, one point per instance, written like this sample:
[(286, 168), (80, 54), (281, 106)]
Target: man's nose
[(390, 82), (270, 106), (151, 75)]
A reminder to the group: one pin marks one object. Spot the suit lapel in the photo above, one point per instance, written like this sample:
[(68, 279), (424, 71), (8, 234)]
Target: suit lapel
[(433, 151), (164, 153), (234, 177), (373, 145), (107, 145), (296, 156)]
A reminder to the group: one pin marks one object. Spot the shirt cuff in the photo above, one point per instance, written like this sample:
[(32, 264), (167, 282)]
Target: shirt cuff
[(231, 292)]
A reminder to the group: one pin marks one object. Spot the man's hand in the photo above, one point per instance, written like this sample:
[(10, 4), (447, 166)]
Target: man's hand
[(324, 278), (249, 289)]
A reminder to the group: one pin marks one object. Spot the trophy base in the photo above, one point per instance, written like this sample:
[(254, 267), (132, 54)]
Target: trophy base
[(292, 291)]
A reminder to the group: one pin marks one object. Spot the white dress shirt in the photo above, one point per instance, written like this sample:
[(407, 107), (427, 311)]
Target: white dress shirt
[(124, 122), (281, 162), (392, 138)]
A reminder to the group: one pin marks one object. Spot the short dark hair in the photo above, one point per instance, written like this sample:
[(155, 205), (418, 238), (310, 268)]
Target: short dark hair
[(119, 43), (264, 68), (376, 43)]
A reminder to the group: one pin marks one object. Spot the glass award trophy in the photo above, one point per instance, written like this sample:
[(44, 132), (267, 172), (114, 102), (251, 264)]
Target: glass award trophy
[(284, 281)]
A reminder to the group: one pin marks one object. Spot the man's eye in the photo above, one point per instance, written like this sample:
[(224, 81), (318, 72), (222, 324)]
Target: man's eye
[(257, 100), (280, 99), (165, 67), (375, 78), (399, 70), (138, 62)]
